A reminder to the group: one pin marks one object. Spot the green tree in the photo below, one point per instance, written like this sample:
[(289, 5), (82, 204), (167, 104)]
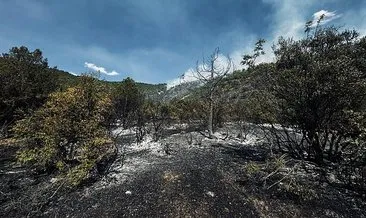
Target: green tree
[(68, 133), (128, 101), (319, 83), (25, 82), (159, 115), (190, 112)]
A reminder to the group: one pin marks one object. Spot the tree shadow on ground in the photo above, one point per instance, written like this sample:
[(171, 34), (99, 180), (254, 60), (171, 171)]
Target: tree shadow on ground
[(239, 152)]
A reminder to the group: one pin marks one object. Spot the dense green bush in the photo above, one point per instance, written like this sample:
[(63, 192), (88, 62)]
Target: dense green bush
[(192, 112), (68, 133), (316, 91), (320, 86), (159, 115), (127, 102), (25, 82)]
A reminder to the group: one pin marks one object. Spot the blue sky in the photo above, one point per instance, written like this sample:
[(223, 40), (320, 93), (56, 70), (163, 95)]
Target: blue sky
[(156, 41)]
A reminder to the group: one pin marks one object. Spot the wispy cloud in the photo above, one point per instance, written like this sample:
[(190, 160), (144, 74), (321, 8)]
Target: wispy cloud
[(72, 73), (289, 18), (327, 17), (94, 67)]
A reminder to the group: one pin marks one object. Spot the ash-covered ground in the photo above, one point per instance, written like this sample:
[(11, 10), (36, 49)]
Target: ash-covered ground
[(184, 174)]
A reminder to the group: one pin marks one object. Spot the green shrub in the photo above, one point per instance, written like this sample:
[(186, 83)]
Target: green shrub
[(25, 82), (128, 102), (68, 133)]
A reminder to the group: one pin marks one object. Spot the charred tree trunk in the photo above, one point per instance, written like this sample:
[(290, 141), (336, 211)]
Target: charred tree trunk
[(210, 117), (211, 72)]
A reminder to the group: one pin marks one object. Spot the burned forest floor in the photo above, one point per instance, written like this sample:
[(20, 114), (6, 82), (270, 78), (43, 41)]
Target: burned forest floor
[(184, 174)]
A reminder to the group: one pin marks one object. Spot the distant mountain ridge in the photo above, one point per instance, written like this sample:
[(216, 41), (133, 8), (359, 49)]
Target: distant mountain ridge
[(160, 92), (150, 90)]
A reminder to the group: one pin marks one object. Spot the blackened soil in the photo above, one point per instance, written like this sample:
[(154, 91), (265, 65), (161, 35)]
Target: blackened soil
[(195, 181)]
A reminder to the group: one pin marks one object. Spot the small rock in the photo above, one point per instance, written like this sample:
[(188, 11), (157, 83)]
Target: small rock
[(128, 192)]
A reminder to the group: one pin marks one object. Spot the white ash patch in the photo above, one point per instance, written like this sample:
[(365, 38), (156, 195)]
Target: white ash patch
[(12, 172), (121, 131), (148, 145), (210, 193), (136, 158), (178, 126), (277, 127), (133, 159), (252, 139)]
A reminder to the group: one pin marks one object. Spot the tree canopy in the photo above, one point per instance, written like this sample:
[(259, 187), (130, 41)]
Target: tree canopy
[(25, 82)]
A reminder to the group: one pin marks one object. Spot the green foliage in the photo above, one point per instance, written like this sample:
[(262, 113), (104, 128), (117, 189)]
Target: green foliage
[(65, 80), (249, 60), (149, 91), (190, 111), (257, 107), (159, 115), (315, 90), (303, 192), (252, 168), (128, 101), (320, 85), (68, 133), (25, 82), (314, 97)]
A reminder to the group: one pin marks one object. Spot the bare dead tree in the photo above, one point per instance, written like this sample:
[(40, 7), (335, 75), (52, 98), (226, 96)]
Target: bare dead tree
[(210, 72)]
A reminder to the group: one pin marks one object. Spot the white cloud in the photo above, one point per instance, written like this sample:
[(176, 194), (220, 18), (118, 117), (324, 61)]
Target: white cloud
[(191, 75), (187, 76), (289, 18), (143, 65), (328, 16), (94, 67), (113, 73), (72, 73)]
